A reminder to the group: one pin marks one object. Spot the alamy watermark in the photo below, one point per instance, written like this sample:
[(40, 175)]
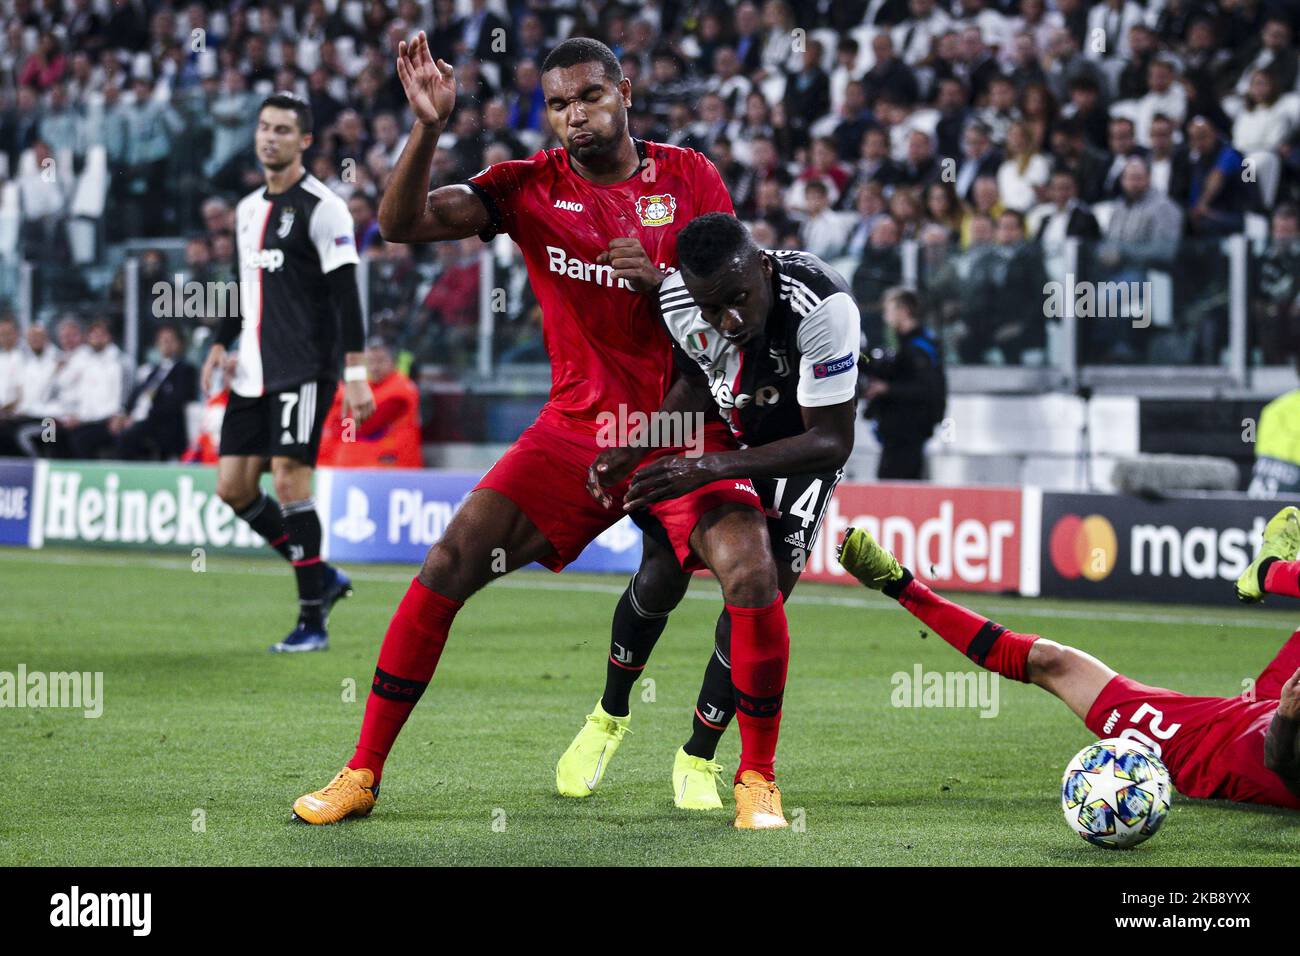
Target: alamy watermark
[(638, 429), (922, 688), (71, 690), (1098, 300)]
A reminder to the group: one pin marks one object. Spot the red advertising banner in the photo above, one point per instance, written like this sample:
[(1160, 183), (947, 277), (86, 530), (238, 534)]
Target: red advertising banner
[(958, 539)]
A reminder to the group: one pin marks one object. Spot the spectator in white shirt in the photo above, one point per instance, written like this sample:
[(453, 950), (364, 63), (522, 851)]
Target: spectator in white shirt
[(1108, 29), (31, 419), (1265, 122), (1164, 97), (1022, 177), (39, 364), (824, 232), (97, 390), (11, 367), (914, 36)]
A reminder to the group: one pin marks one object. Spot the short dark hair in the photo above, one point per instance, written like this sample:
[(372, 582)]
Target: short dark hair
[(904, 297), (285, 100), (578, 50), (171, 327), (710, 241)]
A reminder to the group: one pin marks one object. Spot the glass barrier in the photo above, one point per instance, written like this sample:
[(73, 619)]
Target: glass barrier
[(1153, 304), (1273, 297), (987, 304)]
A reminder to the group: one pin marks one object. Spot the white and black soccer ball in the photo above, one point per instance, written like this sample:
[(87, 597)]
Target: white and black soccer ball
[(1115, 793)]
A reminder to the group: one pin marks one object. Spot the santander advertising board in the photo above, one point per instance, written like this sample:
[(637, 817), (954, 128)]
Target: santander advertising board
[(962, 539)]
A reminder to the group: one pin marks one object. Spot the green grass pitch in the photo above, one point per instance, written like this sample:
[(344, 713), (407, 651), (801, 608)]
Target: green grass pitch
[(199, 717)]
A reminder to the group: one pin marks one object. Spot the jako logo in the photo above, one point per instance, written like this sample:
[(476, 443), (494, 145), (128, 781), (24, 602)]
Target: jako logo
[(568, 205), (103, 909), (1084, 547)]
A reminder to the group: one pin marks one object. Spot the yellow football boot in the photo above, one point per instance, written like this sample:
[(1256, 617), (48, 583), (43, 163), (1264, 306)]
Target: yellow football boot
[(583, 765), (695, 782), (1281, 541), (350, 794), (867, 561), (758, 803)]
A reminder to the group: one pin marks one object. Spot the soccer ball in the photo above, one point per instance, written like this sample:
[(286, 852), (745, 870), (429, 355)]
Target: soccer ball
[(1115, 793)]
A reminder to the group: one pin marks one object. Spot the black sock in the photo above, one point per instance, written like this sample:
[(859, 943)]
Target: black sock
[(303, 526), (264, 517), (894, 589), (716, 704), (632, 637)]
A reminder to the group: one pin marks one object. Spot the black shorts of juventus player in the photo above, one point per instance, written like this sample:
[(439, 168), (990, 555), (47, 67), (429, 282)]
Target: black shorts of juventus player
[(771, 338), (299, 320)]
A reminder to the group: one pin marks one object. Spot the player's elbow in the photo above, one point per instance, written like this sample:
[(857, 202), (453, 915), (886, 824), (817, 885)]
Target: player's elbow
[(394, 225)]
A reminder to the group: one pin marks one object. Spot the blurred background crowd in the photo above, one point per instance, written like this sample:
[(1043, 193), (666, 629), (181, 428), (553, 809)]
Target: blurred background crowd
[(971, 149)]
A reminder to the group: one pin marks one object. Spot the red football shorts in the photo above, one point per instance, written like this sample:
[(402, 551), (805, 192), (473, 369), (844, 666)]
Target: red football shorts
[(1213, 746), (545, 474)]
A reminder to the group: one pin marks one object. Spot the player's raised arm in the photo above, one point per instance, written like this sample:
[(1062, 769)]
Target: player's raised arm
[(409, 212)]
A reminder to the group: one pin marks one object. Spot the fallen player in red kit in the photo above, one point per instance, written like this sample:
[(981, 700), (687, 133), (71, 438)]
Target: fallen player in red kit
[(1242, 748)]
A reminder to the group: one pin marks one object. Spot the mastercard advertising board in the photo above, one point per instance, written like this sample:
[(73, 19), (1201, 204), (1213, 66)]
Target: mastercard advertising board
[(956, 539), (1184, 550)]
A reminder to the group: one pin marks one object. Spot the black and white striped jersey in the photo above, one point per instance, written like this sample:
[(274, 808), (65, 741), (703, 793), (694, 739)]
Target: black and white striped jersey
[(287, 243), (808, 355)]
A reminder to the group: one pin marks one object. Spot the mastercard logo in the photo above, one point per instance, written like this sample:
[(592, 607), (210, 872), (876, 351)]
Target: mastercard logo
[(1083, 547)]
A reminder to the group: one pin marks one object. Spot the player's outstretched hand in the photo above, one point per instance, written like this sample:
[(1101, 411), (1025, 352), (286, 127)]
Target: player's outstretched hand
[(1289, 705), (630, 262), (610, 468), (667, 478), (358, 401), (215, 356), (430, 87)]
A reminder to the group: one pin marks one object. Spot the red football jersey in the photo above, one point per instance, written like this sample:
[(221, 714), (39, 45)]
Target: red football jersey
[(606, 343)]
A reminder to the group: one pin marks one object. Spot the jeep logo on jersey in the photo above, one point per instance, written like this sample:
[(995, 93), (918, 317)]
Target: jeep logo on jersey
[(568, 205), (286, 222), (656, 210), (271, 260), (723, 395)]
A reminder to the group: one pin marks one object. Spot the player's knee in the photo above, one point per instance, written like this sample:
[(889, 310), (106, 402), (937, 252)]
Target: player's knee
[(1048, 659), (442, 564), (747, 579), (288, 487), (236, 492), (660, 584)]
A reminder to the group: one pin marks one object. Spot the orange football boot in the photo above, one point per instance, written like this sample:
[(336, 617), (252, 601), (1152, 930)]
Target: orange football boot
[(758, 803), (350, 794)]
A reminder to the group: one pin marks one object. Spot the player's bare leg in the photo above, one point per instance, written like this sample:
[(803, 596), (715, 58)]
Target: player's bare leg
[(639, 619), (489, 537), (1074, 676), (732, 542)]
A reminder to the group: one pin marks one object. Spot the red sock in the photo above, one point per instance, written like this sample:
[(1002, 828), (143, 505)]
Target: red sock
[(760, 654), (407, 660), (988, 644), (1282, 577)]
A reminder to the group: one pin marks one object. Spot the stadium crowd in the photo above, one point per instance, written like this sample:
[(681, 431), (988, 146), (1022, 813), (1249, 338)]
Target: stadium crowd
[(987, 132)]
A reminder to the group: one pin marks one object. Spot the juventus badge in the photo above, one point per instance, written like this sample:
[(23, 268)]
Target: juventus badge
[(286, 223)]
